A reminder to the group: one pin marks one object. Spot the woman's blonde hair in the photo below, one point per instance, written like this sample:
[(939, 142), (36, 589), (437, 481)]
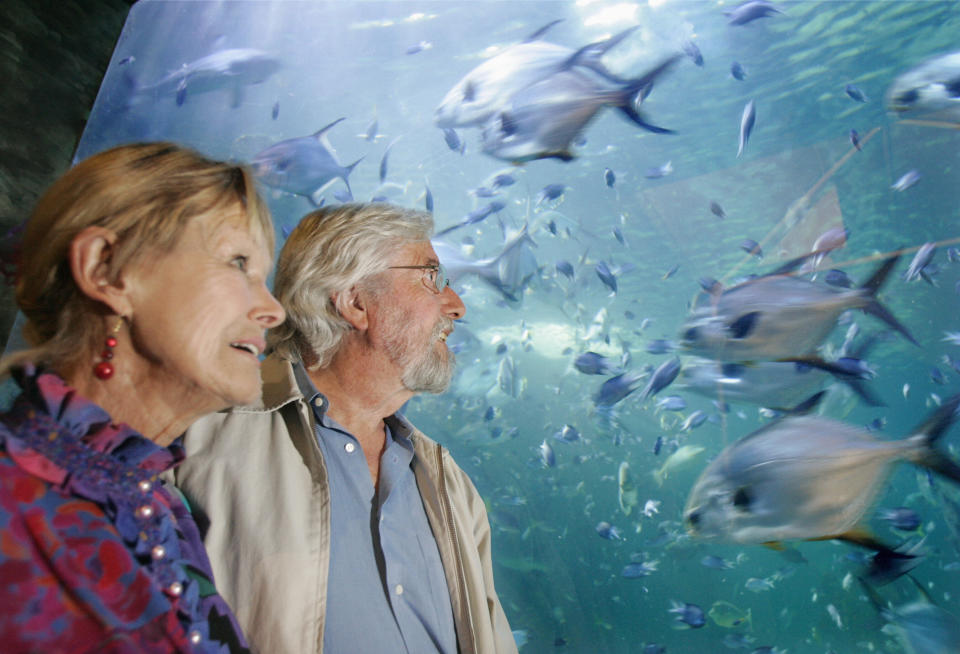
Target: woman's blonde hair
[(330, 251), (147, 194)]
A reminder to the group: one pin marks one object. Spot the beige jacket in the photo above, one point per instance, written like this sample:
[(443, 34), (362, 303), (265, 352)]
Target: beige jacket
[(257, 474)]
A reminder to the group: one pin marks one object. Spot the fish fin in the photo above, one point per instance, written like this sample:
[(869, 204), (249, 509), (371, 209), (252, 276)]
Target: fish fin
[(744, 325), (794, 264), (543, 30), (931, 430), (775, 545), (874, 308), (590, 54), (807, 405), (863, 392), (320, 132), (843, 375)]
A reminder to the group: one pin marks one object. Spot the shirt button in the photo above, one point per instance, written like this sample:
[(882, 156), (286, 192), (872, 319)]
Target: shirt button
[(158, 552), (175, 589), (318, 403), (144, 511), (145, 486), (194, 637), (399, 589), (349, 447)]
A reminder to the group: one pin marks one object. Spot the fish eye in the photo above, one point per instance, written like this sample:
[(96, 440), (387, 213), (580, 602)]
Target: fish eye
[(693, 518), (469, 93), (742, 499), (691, 334)]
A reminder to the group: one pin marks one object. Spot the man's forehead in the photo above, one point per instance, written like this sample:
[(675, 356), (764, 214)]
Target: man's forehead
[(418, 253)]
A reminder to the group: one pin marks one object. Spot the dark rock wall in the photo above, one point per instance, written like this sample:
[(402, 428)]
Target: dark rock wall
[(53, 54)]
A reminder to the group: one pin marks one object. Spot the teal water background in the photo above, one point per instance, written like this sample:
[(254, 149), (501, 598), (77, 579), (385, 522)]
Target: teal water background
[(559, 581)]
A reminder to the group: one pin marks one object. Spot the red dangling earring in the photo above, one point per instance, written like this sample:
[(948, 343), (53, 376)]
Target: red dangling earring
[(104, 369)]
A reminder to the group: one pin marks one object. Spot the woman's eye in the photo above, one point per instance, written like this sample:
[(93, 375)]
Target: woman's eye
[(240, 261)]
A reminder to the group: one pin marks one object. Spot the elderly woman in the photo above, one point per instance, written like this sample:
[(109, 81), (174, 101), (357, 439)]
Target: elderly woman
[(143, 283)]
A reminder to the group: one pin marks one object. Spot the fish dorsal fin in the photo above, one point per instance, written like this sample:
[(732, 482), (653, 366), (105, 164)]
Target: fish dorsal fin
[(543, 30), (807, 405), (792, 265), (589, 55), (744, 325), (923, 591), (319, 134)]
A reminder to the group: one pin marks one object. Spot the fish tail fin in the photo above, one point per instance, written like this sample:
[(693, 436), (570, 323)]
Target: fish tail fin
[(863, 392), (874, 308), (930, 432), (346, 173), (637, 89)]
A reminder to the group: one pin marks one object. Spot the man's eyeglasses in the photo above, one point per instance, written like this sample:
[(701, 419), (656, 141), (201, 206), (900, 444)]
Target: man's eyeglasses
[(435, 272)]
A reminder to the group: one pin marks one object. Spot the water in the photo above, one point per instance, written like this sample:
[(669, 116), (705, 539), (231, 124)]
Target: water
[(558, 579)]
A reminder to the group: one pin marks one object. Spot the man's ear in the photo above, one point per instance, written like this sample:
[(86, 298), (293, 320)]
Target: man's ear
[(90, 253), (352, 305)]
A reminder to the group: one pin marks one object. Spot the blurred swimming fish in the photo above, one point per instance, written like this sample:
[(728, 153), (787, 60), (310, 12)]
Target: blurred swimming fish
[(807, 477), (616, 388), (753, 322), (662, 377), (606, 276), (477, 215), (932, 85), (565, 268), (750, 246), (384, 160), (855, 93), (921, 626), (691, 50), (627, 492), (547, 456), (304, 166), (508, 272), (684, 455), (737, 71), (920, 261), (855, 139), (609, 178), (906, 180), (717, 210), (659, 171), (690, 616), (550, 192), (231, 69), (608, 531), (488, 87), (544, 119), (747, 121), (452, 139), (591, 363), (638, 569), (750, 11)]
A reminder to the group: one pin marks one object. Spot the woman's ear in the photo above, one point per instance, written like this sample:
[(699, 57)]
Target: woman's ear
[(352, 305), (90, 253)]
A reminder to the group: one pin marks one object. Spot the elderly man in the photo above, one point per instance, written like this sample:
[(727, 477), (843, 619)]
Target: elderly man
[(334, 524)]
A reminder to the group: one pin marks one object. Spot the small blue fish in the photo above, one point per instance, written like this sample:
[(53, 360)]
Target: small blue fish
[(657, 446), (750, 11), (606, 276), (936, 376), (855, 93), (591, 363), (608, 531), (838, 278), (855, 139), (453, 140), (417, 48), (550, 192), (747, 121), (750, 246), (616, 388), (715, 562), (275, 112), (689, 614), (503, 179), (609, 177), (501, 348), (670, 273), (717, 210), (428, 199), (565, 268), (618, 234), (383, 160), (661, 346), (489, 414), (671, 403), (639, 569), (547, 457), (662, 377), (737, 71), (691, 50), (654, 648), (902, 518)]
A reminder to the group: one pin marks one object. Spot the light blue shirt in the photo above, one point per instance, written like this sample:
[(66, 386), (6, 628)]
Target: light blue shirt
[(386, 591)]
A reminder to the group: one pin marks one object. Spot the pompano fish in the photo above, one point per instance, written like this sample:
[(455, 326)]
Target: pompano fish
[(544, 119), (477, 97), (627, 492), (808, 478), (508, 272), (930, 86), (231, 69), (681, 457), (303, 166), (778, 316), (921, 626)]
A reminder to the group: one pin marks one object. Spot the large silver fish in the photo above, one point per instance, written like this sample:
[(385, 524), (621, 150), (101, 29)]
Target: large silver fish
[(921, 626), (232, 69), (509, 272), (544, 119), (304, 166), (778, 316), (806, 477), (486, 88), (931, 86)]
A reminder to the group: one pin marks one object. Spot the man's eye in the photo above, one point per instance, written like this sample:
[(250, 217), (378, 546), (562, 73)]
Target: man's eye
[(240, 261)]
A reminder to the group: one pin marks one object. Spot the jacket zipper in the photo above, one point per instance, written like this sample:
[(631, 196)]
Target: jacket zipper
[(454, 542)]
